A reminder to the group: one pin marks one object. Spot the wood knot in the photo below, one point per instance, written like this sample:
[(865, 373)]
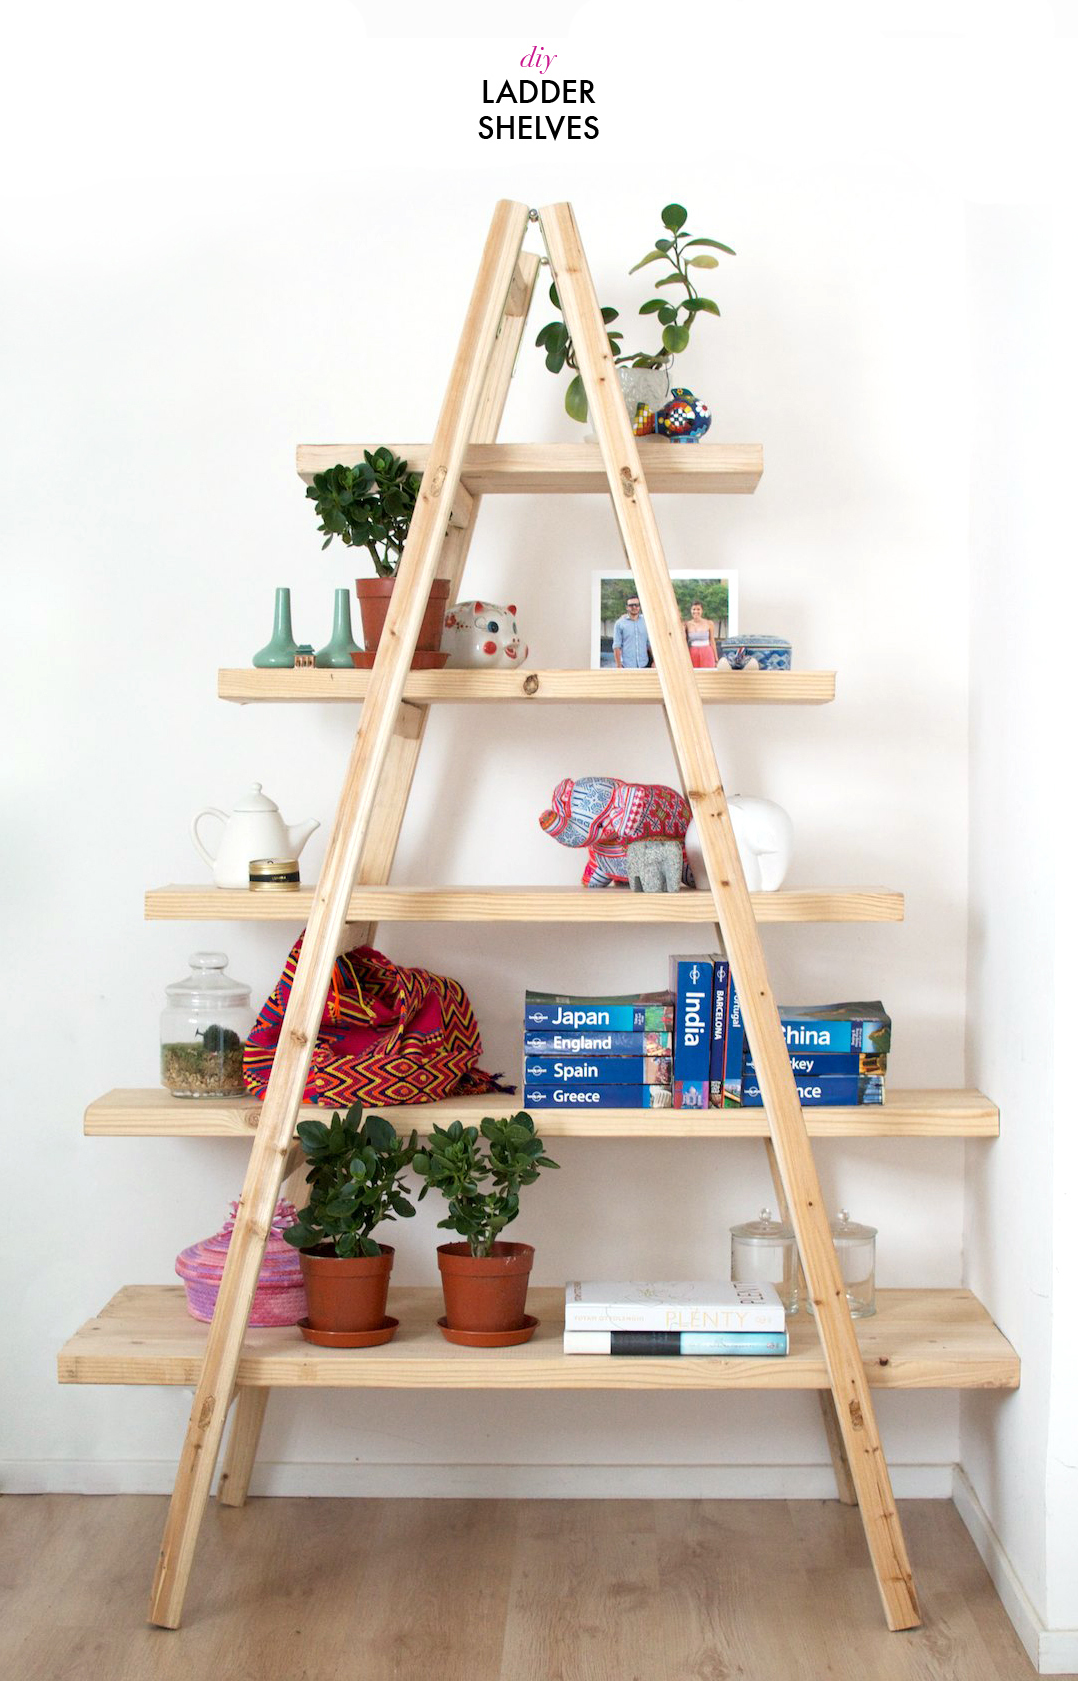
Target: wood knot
[(438, 481), (207, 1411), (627, 484), (531, 684), (856, 1415)]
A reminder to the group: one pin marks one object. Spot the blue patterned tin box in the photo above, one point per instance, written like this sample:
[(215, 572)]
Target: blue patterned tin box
[(773, 652)]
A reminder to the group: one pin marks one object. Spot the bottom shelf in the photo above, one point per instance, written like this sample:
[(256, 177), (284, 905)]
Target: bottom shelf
[(918, 1339)]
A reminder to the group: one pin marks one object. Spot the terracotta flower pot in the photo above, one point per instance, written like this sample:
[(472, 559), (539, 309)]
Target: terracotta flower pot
[(346, 1294), (374, 597), (488, 1292)]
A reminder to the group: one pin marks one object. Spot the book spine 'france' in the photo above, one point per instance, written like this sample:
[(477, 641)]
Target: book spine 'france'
[(841, 1063), (735, 1052), (723, 1343), (824, 1093), (649, 1043), (597, 1097), (690, 982), (597, 1070), (720, 1005), (620, 1018)]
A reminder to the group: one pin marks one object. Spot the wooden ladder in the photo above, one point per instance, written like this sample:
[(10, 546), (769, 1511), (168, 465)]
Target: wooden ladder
[(362, 844)]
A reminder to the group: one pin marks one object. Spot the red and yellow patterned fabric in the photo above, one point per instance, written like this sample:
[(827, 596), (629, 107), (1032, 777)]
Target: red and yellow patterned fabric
[(388, 1035)]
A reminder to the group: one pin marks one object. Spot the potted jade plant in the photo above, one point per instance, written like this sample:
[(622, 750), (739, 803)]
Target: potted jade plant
[(370, 506), (356, 1164), (644, 374), (484, 1280)]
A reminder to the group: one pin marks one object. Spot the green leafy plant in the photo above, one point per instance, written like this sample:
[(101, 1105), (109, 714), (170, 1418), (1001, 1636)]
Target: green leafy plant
[(683, 251), (355, 1182), (368, 506), (456, 1164)]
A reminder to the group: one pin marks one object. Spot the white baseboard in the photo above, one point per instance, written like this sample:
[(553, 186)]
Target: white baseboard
[(477, 1482), (1051, 1651)]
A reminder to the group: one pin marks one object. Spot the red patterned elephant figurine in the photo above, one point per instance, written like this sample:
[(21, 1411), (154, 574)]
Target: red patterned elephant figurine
[(607, 816)]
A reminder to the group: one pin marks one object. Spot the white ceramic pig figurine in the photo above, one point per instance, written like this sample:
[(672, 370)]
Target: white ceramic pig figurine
[(479, 636), (764, 836)]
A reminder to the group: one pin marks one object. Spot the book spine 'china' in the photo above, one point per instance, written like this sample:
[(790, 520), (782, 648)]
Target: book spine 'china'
[(735, 1052), (690, 982), (644, 1043), (825, 1093), (723, 1343), (618, 1018), (720, 1006), (840, 1063), (596, 1097), (598, 1070)]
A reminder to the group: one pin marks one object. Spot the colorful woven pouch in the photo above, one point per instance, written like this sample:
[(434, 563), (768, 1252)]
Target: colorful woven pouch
[(388, 1035)]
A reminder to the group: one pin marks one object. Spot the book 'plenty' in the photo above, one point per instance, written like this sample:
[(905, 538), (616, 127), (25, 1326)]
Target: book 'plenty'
[(673, 1306)]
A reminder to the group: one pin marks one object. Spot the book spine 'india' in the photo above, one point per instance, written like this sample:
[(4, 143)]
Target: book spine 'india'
[(650, 1042), (824, 1093), (597, 1097), (723, 1343), (720, 1007), (598, 1070), (691, 983)]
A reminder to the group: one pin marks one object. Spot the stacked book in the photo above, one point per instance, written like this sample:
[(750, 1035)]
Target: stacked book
[(838, 1052), (687, 1318), (597, 1053)]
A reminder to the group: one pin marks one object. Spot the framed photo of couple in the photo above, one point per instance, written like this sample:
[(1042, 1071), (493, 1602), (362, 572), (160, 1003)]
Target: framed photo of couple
[(707, 602)]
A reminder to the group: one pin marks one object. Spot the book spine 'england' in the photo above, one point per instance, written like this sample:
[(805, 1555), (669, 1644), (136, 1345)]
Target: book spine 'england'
[(618, 1018), (723, 1343), (596, 1097), (735, 1052), (644, 1043), (597, 1070), (824, 1093), (690, 982), (720, 1005)]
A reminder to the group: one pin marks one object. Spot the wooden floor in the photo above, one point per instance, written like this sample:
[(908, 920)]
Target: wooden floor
[(492, 1590)]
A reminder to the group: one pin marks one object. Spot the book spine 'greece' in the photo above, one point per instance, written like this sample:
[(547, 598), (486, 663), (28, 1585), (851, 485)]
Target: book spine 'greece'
[(735, 1052), (690, 982), (825, 1093), (619, 1018), (720, 1005), (650, 1043), (596, 1097), (840, 1063), (598, 1070), (724, 1343)]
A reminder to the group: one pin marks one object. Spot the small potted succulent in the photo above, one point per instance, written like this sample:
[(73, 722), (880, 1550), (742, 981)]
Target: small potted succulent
[(484, 1280), (356, 1164), (370, 506), (644, 374)]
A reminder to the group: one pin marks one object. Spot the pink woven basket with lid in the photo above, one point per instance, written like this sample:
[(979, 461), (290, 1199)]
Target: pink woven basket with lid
[(280, 1298)]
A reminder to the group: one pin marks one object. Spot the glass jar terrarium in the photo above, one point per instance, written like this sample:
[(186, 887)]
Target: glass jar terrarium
[(855, 1247), (203, 1026), (764, 1251)]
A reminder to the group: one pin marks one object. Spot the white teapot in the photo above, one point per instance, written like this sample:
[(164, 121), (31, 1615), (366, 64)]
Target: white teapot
[(255, 829)]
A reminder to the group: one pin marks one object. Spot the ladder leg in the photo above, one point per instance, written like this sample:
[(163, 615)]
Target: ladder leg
[(249, 1411), (703, 786), (300, 1026), (847, 1494)]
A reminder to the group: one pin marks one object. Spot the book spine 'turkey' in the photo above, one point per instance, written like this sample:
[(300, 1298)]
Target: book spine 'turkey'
[(723, 1343), (597, 1070), (618, 1018), (720, 1005), (840, 1063), (596, 1097), (649, 1042), (691, 982)]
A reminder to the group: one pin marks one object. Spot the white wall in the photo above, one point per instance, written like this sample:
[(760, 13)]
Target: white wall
[(217, 271)]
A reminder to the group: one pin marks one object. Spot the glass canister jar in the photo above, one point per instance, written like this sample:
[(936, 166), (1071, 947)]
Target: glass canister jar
[(764, 1251), (855, 1247), (203, 1026)]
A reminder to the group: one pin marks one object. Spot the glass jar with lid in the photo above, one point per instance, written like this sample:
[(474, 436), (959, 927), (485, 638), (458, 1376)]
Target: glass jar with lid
[(855, 1246), (764, 1251), (203, 1026)]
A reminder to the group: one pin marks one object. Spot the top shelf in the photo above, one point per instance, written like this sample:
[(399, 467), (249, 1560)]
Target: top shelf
[(570, 469)]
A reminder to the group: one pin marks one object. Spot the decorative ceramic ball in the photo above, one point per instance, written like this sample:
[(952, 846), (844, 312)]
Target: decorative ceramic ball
[(643, 421), (684, 419)]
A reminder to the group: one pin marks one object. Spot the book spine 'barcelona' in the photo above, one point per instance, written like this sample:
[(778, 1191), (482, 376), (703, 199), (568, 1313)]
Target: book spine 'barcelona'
[(722, 1343), (596, 1097), (644, 1043), (825, 1093), (720, 1006), (598, 1070), (691, 982)]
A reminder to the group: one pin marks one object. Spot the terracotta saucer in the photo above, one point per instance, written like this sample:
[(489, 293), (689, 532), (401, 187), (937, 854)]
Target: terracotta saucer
[(350, 1339), (490, 1339), (424, 659)]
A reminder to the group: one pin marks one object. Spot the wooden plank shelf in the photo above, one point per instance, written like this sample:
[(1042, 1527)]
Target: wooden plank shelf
[(199, 903), (155, 1113), (245, 685), (918, 1339), (557, 469)]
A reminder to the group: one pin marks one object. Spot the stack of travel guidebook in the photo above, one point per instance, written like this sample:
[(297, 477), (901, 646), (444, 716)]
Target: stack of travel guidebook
[(724, 1319), (598, 1053)]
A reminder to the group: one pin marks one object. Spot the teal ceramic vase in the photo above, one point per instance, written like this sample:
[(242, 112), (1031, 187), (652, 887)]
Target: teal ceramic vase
[(339, 649), (281, 648)]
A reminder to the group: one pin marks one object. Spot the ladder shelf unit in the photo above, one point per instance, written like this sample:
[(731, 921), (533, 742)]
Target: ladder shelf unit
[(918, 1339)]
